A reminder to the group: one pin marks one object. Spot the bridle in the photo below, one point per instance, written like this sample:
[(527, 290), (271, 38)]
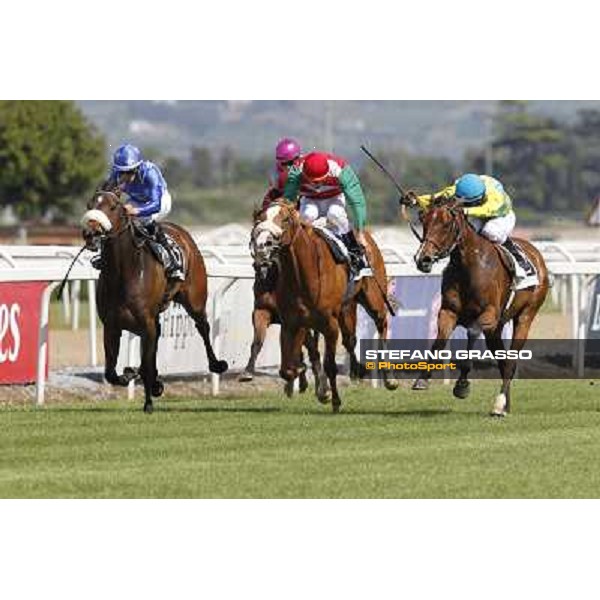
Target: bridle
[(125, 220), (277, 241), (457, 232)]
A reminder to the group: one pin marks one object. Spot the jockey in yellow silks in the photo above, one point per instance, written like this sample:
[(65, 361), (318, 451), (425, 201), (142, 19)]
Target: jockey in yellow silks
[(489, 210)]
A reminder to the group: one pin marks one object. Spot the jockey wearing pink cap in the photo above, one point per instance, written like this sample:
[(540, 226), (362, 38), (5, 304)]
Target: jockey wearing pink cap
[(287, 154)]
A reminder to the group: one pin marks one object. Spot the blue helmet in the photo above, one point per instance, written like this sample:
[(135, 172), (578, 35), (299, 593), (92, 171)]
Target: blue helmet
[(127, 158), (470, 188)]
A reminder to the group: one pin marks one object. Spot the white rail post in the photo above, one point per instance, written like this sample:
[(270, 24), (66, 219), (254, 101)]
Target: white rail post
[(43, 344), (574, 283), (130, 356), (582, 331), (75, 293), (66, 302)]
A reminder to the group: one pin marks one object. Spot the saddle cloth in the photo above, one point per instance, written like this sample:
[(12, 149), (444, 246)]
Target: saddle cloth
[(521, 279), (337, 247), (163, 257), (338, 250)]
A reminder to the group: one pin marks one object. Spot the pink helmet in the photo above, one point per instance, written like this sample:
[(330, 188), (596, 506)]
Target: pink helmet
[(287, 150)]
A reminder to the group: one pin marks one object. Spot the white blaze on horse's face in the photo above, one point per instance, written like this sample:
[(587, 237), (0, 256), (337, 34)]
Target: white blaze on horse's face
[(266, 235)]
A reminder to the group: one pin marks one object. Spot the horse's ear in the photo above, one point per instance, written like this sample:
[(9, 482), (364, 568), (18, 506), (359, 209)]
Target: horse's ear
[(256, 211)]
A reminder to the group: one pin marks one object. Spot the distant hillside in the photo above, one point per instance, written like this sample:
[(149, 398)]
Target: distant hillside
[(437, 128)]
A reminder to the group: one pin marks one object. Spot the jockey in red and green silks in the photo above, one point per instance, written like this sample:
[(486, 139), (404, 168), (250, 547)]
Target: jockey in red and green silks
[(326, 186)]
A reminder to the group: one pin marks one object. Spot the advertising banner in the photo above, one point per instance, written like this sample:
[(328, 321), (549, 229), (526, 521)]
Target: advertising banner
[(19, 322)]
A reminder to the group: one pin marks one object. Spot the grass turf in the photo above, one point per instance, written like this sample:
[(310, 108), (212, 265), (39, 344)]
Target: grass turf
[(383, 445)]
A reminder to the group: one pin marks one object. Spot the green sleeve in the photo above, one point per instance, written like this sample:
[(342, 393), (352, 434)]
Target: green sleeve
[(355, 197), (292, 185)]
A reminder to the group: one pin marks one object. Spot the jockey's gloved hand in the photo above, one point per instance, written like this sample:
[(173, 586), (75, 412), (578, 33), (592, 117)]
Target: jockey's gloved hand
[(360, 237), (409, 199)]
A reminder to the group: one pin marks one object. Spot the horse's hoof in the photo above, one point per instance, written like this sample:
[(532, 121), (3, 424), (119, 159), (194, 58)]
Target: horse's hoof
[(303, 384), (130, 373), (158, 388), (462, 389), (420, 384), (288, 389), (245, 377), (119, 380), (219, 367), (324, 396), (335, 408), (390, 385), (148, 408), (498, 414)]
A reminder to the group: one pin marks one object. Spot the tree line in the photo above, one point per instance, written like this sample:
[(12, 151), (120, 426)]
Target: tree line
[(51, 159)]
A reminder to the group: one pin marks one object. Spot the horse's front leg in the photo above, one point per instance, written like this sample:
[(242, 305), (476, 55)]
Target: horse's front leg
[(157, 387), (462, 387), (331, 333), (321, 386), (494, 342), (446, 324), (521, 326), (261, 319), (347, 322), (291, 339), (148, 368), (112, 340)]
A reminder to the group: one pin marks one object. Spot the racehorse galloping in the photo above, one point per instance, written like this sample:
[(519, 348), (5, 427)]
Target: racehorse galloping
[(265, 313), (133, 290), (476, 292), (311, 291)]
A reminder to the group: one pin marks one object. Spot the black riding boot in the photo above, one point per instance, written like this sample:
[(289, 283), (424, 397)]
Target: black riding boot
[(172, 270), (358, 261), (523, 261)]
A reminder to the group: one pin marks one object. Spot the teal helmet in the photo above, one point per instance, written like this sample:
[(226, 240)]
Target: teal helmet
[(470, 189)]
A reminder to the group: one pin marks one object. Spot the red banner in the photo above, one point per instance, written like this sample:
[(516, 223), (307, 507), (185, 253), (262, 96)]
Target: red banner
[(19, 330)]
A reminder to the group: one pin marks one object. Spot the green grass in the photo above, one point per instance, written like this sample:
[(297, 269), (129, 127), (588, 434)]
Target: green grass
[(383, 444)]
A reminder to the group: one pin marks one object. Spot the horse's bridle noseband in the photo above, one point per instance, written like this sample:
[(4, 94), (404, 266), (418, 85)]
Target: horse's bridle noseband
[(124, 218)]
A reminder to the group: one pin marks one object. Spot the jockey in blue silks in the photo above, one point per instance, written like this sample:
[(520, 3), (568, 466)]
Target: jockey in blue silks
[(148, 200)]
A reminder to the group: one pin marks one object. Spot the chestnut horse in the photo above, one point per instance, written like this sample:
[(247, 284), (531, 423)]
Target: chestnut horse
[(133, 289), (311, 291), (265, 313), (477, 292)]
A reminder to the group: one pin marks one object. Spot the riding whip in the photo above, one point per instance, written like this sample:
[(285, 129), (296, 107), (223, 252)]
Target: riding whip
[(404, 211), (61, 287)]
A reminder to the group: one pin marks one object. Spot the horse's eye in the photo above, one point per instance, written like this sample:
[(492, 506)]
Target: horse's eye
[(113, 208)]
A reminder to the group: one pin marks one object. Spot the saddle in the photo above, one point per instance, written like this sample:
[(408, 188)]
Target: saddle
[(338, 248), (159, 251), (520, 278), (340, 254)]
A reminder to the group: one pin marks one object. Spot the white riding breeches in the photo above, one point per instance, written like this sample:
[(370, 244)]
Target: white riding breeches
[(333, 209), (165, 208), (496, 230)]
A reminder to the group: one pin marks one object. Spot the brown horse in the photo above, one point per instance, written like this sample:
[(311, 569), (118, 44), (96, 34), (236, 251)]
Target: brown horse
[(264, 314), (476, 292), (311, 291), (133, 290)]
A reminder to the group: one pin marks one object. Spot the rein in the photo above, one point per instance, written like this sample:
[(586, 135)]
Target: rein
[(458, 231)]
